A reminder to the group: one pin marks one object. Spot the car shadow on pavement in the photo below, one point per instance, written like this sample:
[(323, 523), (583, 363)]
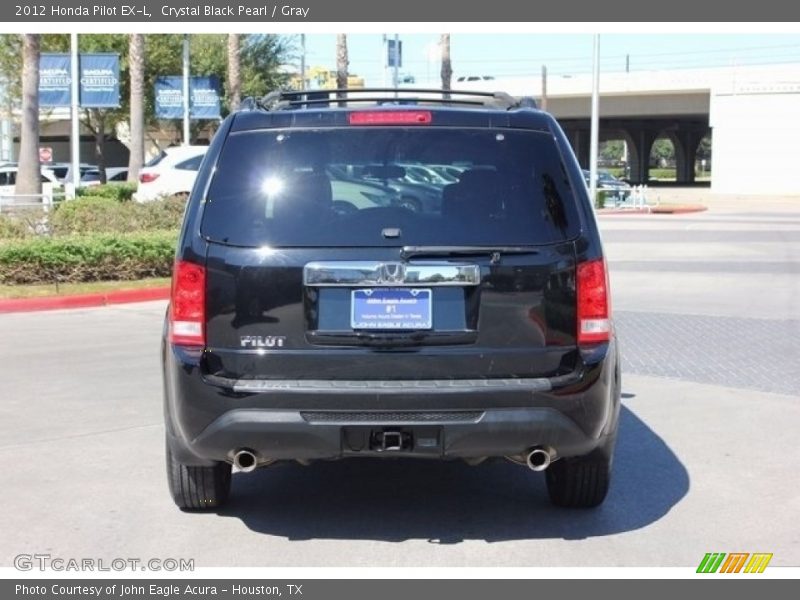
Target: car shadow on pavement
[(449, 502)]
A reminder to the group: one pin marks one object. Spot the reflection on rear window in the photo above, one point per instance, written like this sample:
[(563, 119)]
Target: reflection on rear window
[(348, 187)]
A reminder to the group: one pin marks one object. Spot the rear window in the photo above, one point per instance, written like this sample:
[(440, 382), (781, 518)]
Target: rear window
[(156, 159), (383, 187), (193, 164)]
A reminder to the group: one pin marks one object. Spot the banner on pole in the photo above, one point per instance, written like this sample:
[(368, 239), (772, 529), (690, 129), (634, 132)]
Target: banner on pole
[(204, 98), (394, 54), (99, 80), (54, 80), (169, 97)]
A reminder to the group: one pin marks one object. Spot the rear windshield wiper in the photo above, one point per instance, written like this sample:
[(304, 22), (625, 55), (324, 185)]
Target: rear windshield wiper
[(494, 252)]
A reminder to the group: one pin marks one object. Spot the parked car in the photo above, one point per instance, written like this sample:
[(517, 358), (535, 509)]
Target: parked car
[(8, 181), (451, 173), (419, 197), (113, 175), (171, 173), (618, 190), (426, 175), (464, 78), (299, 331), (63, 170), (349, 195)]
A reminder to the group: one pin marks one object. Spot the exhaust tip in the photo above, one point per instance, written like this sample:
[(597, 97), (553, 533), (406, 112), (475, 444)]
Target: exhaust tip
[(245, 460), (539, 459)]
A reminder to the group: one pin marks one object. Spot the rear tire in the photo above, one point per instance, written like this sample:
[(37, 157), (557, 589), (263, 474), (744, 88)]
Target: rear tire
[(579, 482), (198, 488)]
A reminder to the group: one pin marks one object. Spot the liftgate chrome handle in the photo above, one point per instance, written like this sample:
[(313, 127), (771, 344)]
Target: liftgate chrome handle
[(375, 273)]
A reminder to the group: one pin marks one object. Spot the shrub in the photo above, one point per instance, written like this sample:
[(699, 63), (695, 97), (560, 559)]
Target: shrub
[(12, 228), (87, 258), (20, 223), (166, 213), (600, 199), (121, 192), (93, 214)]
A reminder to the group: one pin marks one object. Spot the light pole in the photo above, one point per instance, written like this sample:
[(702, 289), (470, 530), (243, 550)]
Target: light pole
[(6, 125), (186, 133), (595, 126), (302, 61), (396, 71), (75, 134)]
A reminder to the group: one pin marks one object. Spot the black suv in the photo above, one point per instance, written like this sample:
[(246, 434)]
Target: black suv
[(314, 317)]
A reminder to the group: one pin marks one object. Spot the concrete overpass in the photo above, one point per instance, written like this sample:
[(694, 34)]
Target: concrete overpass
[(753, 113)]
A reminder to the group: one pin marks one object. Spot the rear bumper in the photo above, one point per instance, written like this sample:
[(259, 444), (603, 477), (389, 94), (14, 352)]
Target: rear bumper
[(209, 419), (277, 434)]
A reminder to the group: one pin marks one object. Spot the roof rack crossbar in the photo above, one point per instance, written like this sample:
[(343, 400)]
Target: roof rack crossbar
[(386, 101), (288, 99), (391, 90)]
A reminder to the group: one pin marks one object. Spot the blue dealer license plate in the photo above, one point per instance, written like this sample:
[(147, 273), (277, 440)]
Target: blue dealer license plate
[(391, 308)]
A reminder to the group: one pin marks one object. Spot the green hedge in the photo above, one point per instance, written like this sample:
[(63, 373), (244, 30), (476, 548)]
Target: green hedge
[(121, 192), (97, 214), (94, 257)]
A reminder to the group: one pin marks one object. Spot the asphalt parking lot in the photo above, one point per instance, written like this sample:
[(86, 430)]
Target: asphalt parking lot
[(707, 311)]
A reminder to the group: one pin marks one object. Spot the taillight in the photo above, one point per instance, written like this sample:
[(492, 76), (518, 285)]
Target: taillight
[(187, 312), (147, 177), (594, 302), (390, 117)]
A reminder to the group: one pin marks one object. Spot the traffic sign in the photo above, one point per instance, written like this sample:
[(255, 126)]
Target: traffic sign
[(45, 154)]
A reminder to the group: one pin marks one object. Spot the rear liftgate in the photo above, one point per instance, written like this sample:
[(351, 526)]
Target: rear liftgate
[(391, 305)]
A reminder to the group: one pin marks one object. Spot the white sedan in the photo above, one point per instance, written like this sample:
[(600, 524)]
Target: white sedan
[(171, 173)]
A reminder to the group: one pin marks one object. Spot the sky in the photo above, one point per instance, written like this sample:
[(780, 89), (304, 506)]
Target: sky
[(506, 55)]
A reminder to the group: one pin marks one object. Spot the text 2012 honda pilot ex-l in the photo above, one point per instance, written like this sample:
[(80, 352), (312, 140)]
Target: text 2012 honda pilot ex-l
[(318, 313)]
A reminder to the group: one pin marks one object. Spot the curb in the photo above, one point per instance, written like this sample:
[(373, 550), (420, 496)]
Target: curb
[(678, 209), (13, 305)]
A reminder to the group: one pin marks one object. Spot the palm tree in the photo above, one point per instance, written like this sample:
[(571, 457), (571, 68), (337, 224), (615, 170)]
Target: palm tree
[(234, 72), (341, 62), (136, 66), (29, 178), (447, 67)]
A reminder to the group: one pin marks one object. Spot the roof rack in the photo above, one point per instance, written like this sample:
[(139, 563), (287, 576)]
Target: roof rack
[(294, 99)]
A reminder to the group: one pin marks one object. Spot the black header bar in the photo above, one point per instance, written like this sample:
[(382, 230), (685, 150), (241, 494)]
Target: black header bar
[(396, 589), (408, 11)]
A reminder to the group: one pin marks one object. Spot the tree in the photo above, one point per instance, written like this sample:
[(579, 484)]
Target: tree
[(447, 67), (662, 152), (234, 72), (262, 55), (29, 178), (611, 150), (341, 62), (704, 148), (11, 67), (136, 52)]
